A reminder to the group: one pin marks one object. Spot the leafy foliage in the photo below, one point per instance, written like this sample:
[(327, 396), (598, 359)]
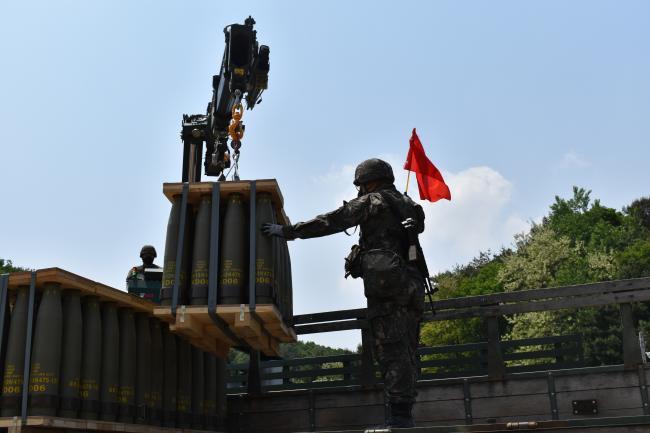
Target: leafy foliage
[(7, 267), (299, 349), (579, 241)]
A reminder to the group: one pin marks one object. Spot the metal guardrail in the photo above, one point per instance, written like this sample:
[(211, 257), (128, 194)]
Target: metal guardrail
[(496, 356), (555, 352)]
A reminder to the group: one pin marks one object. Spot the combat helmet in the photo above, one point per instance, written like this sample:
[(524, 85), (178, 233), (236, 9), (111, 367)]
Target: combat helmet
[(373, 169), (148, 249)]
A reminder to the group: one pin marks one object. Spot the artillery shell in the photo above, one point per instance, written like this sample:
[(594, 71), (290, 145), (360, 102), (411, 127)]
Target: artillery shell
[(201, 253), (171, 371), (143, 368), (91, 359), (12, 386), (71, 361), (221, 393), (233, 268), (184, 394), (264, 275), (157, 373), (110, 381), (44, 376), (210, 394), (198, 388)]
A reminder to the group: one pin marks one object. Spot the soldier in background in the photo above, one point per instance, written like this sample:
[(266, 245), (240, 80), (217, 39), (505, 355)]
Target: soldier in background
[(147, 254), (393, 280)]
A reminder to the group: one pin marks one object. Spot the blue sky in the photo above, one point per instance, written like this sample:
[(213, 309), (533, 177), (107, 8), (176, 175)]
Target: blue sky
[(514, 101)]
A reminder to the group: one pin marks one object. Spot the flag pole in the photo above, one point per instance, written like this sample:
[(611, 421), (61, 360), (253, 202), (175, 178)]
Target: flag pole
[(408, 180)]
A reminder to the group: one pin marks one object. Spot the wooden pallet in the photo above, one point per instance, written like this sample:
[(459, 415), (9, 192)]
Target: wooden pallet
[(195, 323), (197, 189), (44, 423), (68, 280)]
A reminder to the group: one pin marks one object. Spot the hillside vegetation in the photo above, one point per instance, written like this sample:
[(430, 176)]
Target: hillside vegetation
[(579, 241)]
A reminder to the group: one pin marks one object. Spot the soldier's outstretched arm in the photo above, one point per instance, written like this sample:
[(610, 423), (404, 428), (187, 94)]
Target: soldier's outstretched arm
[(349, 215)]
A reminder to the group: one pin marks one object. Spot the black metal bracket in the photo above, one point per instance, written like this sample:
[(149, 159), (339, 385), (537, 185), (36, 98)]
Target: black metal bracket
[(585, 407), (552, 395), (28, 347), (213, 269), (179, 248), (312, 411), (643, 389), (467, 400)]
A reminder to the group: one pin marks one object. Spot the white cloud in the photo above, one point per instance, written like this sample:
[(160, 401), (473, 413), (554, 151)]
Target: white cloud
[(573, 160), (474, 220)]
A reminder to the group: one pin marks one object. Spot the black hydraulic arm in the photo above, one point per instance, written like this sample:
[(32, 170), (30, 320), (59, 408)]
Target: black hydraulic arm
[(243, 75)]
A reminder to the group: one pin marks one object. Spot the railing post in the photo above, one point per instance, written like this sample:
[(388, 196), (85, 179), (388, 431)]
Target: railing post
[(631, 349), (496, 367), (346, 376), (254, 373), (285, 372), (368, 378)]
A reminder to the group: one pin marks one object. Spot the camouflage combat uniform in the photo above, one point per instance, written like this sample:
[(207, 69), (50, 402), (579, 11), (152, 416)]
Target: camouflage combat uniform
[(394, 317)]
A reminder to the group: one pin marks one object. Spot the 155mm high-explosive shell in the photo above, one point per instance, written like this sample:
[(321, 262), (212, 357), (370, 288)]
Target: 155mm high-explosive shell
[(143, 368), (184, 395), (44, 376), (264, 275), (210, 394), (127, 366), (171, 372), (201, 253), (110, 380), (221, 393), (157, 373), (12, 386), (171, 248), (233, 268), (91, 359), (198, 388), (71, 361)]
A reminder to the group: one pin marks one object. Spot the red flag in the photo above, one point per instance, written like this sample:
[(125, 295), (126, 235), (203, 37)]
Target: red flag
[(430, 182)]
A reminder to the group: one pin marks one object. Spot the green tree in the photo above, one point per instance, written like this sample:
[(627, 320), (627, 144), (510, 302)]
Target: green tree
[(6, 267)]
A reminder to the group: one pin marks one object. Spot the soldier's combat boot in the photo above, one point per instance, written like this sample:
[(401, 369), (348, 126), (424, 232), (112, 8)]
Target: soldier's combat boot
[(400, 415)]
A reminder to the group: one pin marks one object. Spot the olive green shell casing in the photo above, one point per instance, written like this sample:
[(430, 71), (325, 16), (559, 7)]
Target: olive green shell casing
[(171, 244), (110, 379), (264, 267), (201, 253), (198, 388), (126, 399), (71, 354), (170, 378), (233, 268), (44, 376), (221, 393), (143, 368), (210, 392), (91, 358), (157, 373), (184, 386), (13, 374)]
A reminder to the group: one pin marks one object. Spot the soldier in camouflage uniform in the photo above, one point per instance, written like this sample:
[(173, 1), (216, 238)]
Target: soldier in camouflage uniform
[(147, 254), (393, 285)]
